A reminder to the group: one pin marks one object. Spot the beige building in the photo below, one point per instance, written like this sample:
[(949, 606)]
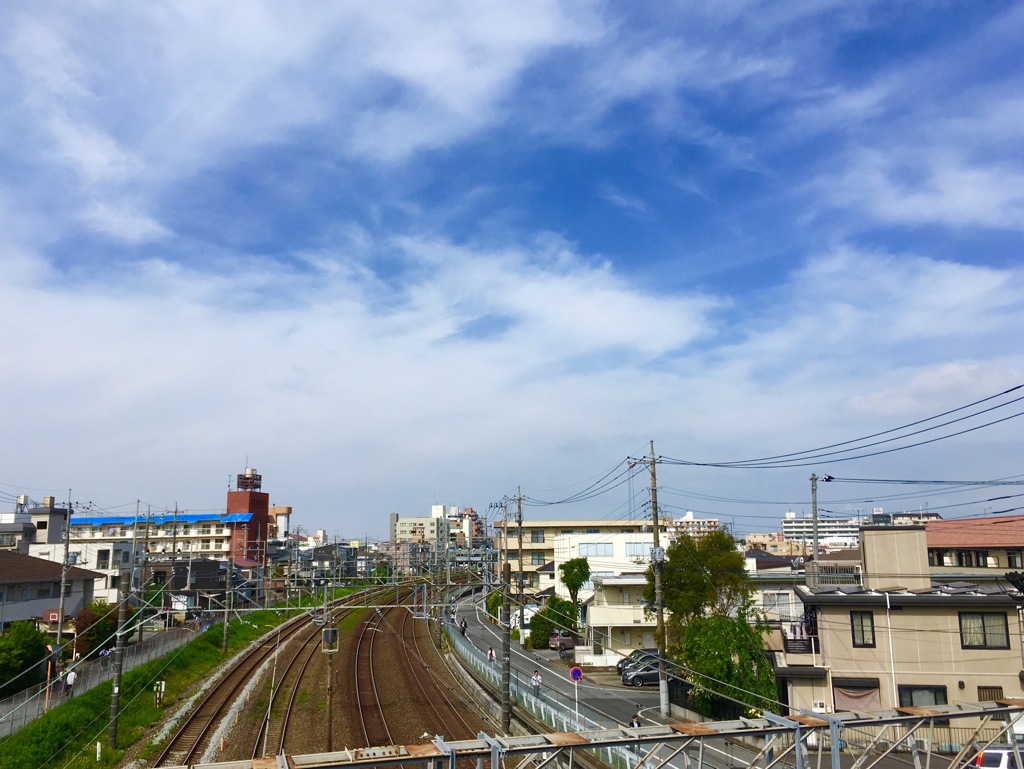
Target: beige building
[(982, 547), (897, 639), (617, 622), (536, 541)]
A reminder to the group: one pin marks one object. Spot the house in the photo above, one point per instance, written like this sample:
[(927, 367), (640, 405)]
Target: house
[(617, 618), (976, 548), (30, 590), (896, 638)]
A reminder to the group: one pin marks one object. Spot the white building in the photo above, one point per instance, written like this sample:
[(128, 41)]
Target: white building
[(833, 533), (694, 527)]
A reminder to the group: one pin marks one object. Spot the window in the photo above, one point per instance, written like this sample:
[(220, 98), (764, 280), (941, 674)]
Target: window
[(537, 559), (102, 559), (938, 557), (595, 549), (776, 605), (638, 549), (862, 623), (1014, 559), (537, 536), (567, 531), (922, 696), (990, 693), (983, 630), (41, 526), (205, 544)]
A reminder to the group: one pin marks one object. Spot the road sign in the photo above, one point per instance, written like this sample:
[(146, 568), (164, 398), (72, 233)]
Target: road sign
[(576, 673)]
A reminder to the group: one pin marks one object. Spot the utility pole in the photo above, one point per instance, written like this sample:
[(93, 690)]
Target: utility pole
[(814, 528), (522, 610), (506, 628), (63, 580), (115, 697), (658, 564), (227, 603)]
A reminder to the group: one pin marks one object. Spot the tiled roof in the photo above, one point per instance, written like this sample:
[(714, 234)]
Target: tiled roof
[(1004, 531), (16, 568)]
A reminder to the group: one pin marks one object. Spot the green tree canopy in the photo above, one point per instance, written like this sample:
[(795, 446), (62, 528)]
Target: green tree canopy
[(727, 662), (23, 656), (557, 614), (95, 626), (701, 577), (575, 573)]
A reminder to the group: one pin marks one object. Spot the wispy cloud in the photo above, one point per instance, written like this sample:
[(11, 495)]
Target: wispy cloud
[(445, 248)]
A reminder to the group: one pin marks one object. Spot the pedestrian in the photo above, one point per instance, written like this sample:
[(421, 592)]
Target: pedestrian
[(490, 654), (635, 721), (69, 682), (462, 628), (535, 682)]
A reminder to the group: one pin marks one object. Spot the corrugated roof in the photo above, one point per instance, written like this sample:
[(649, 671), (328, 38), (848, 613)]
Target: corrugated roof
[(159, 520), (1004, 531)]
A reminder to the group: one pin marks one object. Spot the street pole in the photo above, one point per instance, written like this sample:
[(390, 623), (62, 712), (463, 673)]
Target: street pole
[(115, 697), (506, 649), (519, 520), (658, 564), (227, 603), (814, 528), (63, 579)]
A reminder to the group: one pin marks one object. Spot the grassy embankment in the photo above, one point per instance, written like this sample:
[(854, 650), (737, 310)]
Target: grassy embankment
[(66, 737)]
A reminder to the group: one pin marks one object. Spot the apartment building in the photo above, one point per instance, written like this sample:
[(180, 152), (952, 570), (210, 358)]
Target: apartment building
[(691, 525), (111, 544), (529, 549), (898, 639)]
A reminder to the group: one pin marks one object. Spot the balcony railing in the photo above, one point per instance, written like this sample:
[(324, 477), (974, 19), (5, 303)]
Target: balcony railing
[(802, 645)]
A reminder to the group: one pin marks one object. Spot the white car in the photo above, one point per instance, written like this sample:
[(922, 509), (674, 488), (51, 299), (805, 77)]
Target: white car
[(996, 757)]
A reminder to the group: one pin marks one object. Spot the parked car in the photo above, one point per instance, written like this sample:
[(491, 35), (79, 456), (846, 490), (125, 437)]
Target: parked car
[(561, 640), (634, 657), (995, 757), (641, 675)]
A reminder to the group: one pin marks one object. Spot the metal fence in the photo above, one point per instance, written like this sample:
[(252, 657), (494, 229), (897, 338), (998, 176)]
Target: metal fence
[(26, 706), (562, 714)]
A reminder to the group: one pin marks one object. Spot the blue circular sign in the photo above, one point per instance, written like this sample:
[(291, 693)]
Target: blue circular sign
[(576, 673)]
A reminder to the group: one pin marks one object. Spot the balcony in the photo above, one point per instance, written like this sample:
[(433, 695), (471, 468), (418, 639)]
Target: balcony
[(801, 645)]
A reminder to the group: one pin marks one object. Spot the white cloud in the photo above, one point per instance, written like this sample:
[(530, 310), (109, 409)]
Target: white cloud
[(123, 222), (941, 187)]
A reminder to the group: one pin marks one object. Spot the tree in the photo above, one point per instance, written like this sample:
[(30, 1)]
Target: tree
[(701, 577), (727, 662), (95, 626), (23, 655), (575, 573), (557, 614)]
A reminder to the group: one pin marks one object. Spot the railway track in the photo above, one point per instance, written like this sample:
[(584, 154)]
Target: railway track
[(397, 690), (447, 704), (372, 717), (194, 732), (193, 735)]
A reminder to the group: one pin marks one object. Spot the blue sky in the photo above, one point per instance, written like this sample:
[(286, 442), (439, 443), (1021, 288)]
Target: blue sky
[(396, 254)]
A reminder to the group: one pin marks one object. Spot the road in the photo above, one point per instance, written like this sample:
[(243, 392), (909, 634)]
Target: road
[(599, 690)]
